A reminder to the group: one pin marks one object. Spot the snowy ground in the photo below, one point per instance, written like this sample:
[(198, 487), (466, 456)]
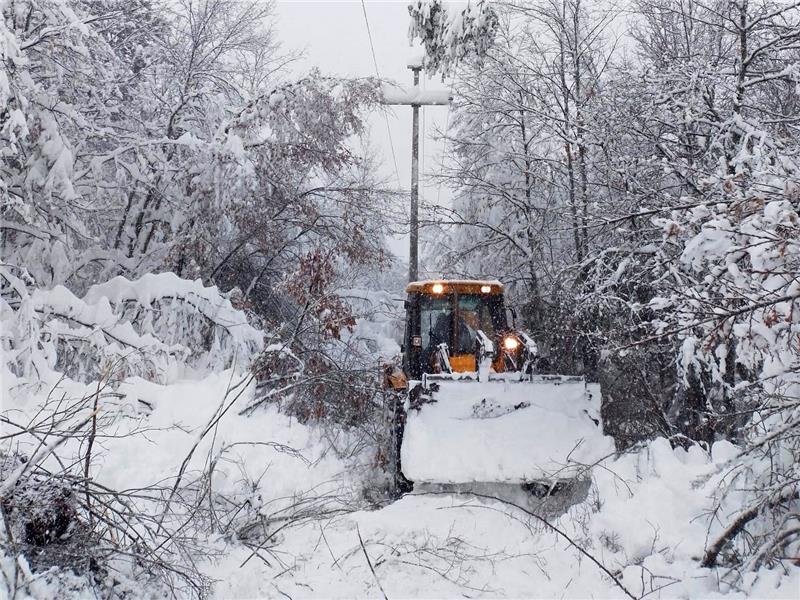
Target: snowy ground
[(310, 523), (642, 523), (644, 520)]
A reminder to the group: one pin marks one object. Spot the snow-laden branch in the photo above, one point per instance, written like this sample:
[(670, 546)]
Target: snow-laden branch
[(156, 321)]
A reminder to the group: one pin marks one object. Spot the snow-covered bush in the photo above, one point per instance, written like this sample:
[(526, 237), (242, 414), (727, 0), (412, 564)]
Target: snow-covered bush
[(59, 520), (154, 327), (737, 313)]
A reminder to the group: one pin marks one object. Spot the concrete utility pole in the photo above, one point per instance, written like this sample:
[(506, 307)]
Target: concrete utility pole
[(394, 95), (413, 250)]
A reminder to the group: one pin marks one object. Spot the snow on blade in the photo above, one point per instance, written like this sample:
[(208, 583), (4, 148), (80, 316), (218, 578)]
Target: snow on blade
[(503, 432)]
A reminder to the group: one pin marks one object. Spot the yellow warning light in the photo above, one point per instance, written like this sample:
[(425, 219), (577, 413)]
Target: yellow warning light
[(437, 288), (485, 289)]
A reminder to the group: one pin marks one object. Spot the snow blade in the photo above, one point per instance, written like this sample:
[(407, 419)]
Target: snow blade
[(547, 500), (519, 438)]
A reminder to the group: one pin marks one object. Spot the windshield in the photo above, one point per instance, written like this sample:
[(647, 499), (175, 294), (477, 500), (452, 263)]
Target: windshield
[(475, 311), (436, 316), (480, 311)]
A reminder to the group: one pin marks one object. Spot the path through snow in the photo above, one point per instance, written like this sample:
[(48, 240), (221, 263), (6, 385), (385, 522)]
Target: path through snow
[(643, 522)]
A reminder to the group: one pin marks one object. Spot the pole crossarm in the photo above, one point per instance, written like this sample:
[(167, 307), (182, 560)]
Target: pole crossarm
[(398, 95), (414, 97)]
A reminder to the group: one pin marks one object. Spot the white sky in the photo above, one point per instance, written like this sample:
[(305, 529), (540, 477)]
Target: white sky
[(334, 36)]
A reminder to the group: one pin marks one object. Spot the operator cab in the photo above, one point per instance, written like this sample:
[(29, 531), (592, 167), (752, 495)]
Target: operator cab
[(452, 313)]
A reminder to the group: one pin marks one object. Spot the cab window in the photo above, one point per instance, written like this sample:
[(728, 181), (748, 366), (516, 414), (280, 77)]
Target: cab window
[(482, 312), (436, 315)]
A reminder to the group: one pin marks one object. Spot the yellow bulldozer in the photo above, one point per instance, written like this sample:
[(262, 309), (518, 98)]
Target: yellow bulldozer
[(473, 411)]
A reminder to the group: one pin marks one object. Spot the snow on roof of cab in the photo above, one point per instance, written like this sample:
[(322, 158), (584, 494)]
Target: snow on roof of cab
[(457, 281), (419, 286)]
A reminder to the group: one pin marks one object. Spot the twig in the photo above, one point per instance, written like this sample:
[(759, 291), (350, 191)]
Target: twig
[(89, 444), (369, 563), (39, 456), (553, 528), (738, 525), (221, 411)]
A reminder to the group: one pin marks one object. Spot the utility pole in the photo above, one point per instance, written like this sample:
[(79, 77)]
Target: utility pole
[(394, 95), (413, 250)]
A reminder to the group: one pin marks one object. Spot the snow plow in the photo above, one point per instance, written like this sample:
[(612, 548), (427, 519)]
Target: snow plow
[(473, 411)]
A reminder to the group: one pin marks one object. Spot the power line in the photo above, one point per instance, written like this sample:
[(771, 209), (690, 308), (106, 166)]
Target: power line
[(444, 141), (378, 74)]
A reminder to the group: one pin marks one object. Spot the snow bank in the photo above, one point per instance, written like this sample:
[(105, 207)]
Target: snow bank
[(503, 432), (647, 522), (267, 455), (267, 464)]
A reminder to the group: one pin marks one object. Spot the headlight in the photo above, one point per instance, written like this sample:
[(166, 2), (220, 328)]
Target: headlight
[(437, 288), (485, 289), (510, 343)]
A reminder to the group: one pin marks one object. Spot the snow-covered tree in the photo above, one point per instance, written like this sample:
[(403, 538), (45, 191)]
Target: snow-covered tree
[(522, 143)]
